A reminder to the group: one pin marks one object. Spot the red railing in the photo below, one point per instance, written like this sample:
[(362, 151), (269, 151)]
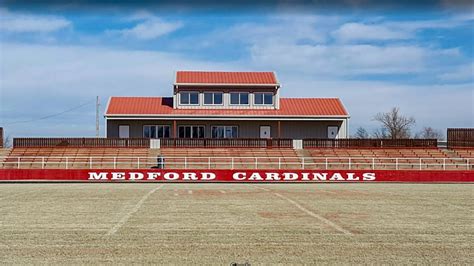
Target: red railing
[(226, 143), (370, 143), (460, 137), (80, 142)]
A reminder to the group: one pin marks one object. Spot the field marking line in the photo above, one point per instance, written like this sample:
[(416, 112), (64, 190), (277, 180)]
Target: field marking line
[(310, 213), (127, 216), (222, 191)]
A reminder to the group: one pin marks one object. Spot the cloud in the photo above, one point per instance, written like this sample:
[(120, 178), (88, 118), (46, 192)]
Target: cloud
[(358, 31), (460, 74), (349, 60), (14, 22), (390, 30), (150, 27), (283, 28)]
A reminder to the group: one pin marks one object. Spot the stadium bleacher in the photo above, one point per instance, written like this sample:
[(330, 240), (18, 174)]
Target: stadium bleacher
[(75, 158), (237, 158)]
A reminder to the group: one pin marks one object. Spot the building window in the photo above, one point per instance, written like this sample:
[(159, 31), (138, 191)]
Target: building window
[(241, 98), (220, 132), (189, 98), (264, 98), (156, 132), (213, 98), (191, 132)]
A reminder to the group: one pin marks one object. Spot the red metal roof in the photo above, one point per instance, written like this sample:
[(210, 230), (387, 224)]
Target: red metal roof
[(202, 77), (149, 106)]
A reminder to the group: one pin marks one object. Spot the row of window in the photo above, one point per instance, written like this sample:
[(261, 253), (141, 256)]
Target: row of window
[(163, 131), (216, 98)]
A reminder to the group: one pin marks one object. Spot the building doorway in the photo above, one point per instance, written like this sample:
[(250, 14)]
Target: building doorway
[(265, 132), (124, 131), (333, 132)]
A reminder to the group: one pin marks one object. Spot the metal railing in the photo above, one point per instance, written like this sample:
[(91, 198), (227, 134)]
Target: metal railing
[(305, 163)]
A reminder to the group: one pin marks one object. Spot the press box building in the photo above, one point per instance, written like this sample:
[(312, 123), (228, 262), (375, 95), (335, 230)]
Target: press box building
[(226, 105)]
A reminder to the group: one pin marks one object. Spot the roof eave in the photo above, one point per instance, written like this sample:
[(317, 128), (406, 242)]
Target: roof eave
[(229, 84), (225, 116)]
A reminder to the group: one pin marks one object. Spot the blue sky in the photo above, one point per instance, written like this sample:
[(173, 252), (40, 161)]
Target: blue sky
[(55, 58)]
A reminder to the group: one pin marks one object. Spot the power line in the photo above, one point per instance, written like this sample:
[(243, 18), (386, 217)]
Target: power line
[(52, 115)]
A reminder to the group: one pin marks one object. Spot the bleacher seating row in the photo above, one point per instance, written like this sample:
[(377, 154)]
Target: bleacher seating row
[(236, 158)]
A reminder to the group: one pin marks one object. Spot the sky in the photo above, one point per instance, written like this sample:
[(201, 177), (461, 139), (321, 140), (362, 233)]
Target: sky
[(55, 59)]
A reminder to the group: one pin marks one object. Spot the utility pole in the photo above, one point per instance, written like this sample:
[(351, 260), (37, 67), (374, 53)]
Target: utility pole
[(97, 117)]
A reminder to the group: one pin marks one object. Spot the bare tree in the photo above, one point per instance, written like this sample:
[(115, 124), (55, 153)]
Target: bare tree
[(430, 133), (396, 125), (6, 142), (361, 133), (380, 134)]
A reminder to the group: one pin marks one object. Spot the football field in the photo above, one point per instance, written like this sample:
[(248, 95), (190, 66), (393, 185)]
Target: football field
[(226, 223)]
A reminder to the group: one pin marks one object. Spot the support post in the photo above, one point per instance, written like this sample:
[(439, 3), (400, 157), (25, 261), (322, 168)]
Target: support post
[(279, 129), (174, 129)]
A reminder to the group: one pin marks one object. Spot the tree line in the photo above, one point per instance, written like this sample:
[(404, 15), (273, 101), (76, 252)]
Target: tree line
[(394, 125)]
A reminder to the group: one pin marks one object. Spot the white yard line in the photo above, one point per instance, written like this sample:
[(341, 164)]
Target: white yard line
[(310, 213), (127, 216)]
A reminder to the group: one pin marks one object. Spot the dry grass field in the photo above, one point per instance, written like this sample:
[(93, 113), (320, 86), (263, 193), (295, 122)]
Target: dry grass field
[(225, 223)]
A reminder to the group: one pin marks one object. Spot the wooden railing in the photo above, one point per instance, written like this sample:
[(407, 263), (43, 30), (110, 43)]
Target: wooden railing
[(226, 143), (370, 143), (460, 137), (81, 142)]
